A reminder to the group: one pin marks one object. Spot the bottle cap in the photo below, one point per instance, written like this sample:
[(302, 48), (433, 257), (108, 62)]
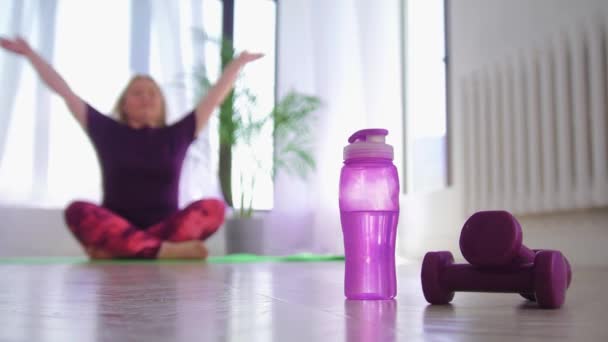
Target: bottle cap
[(368, 143)]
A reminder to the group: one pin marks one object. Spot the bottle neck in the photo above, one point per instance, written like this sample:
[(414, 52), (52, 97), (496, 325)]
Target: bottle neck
[(367, 160)]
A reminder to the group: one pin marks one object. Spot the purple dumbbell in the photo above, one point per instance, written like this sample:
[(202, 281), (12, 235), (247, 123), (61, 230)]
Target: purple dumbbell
[(494, 239), (546, 278)]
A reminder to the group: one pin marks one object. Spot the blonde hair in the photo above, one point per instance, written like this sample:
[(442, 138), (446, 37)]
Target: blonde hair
[(118, 107)]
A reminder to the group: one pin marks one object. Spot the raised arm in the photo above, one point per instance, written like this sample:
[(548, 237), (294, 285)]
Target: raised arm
[(216, 94), (52, 79)]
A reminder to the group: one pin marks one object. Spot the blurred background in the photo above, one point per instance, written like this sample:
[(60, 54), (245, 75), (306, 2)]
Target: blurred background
[(490, 104)]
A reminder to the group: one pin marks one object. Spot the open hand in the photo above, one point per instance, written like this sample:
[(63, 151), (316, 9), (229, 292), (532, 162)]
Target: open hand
[(18, 45), (247, 56)]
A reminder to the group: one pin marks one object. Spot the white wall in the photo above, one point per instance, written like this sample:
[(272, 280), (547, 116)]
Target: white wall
[(35, 231), (482, 31)]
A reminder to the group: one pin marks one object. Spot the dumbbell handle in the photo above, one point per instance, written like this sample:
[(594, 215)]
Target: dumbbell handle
[(467, 278), (524, 256)]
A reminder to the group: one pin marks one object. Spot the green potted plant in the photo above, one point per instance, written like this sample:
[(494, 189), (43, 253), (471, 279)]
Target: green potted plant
[(291, 119)]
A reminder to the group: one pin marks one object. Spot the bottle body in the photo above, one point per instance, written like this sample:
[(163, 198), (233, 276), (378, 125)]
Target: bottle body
[(369, 213)]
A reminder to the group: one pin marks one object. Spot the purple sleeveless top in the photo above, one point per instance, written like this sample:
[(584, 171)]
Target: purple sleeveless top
[(140, 167)]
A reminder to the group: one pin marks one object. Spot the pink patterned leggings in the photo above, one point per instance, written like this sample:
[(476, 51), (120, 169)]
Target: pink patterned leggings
[(97, 227)]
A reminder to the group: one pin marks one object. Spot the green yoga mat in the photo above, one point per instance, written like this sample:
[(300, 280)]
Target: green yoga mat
[(225, 259)]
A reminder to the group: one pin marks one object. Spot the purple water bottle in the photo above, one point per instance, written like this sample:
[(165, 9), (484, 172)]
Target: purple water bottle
[(369, 211)]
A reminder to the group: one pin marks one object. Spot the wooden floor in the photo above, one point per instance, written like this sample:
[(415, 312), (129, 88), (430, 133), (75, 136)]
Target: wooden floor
[(271, 302)]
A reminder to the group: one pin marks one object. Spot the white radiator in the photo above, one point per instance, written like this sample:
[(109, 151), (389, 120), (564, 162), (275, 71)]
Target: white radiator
[(536, 126)]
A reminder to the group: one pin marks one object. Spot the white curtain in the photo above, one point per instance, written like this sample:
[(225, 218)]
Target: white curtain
[(35, 21), (12, 23), (347, 53), (45, 159)]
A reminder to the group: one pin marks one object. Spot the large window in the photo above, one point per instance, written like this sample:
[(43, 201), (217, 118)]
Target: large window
[(426, 144)]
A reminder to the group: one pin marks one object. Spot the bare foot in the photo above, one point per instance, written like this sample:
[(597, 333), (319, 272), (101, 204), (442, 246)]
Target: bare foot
[(96, 253), (194, 249)]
